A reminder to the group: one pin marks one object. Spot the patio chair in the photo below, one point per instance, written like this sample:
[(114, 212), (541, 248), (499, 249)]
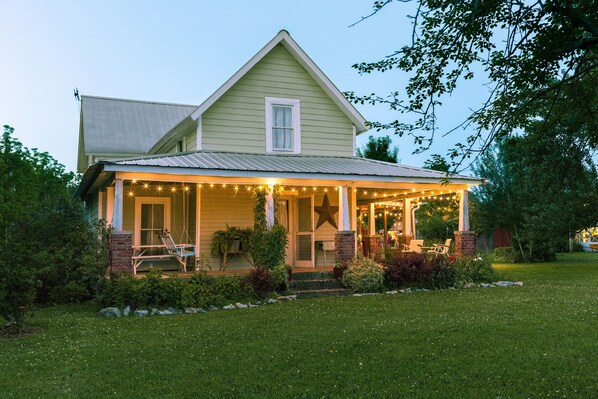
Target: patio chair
[(441, 249), (414, 246), (180, 251)]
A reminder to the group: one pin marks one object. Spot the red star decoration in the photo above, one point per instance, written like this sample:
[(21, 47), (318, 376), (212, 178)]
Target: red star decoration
[(326, 212)]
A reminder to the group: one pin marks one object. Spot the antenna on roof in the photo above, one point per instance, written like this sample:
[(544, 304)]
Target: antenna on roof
[(76, 94)]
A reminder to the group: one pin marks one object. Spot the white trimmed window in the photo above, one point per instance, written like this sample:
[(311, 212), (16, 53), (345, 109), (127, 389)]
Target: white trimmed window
[(283, 127)]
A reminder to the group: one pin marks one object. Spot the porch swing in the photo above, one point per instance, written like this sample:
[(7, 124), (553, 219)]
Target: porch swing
[(180, 251)]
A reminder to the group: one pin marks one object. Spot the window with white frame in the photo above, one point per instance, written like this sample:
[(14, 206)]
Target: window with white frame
[(283, 128)]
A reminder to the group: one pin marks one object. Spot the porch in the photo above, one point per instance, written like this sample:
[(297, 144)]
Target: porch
[(328, 205)]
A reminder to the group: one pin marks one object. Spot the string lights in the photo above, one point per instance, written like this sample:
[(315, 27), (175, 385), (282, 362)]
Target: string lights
[(382, 199)]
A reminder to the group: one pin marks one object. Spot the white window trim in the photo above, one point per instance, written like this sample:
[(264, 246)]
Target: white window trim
[(270, 101), (150, 200)]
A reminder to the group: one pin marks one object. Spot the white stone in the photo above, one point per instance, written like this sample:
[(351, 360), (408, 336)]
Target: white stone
[(392, 292), (504, 283), (241, 305), (271, 301), (110, 312), (155, 311), (127, 311), (469, 285), (228, 307), (251, 305), (357, 294), (140, 313), (518, 283), (165, 312), (212, 307)]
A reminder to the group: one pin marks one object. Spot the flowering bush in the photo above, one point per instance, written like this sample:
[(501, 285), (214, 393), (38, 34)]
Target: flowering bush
[(363, 275)]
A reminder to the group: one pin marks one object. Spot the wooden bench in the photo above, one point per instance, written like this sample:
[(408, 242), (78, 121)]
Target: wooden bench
[(180, 252)]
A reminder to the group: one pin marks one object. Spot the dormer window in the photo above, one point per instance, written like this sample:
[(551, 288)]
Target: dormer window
[(283, 129)]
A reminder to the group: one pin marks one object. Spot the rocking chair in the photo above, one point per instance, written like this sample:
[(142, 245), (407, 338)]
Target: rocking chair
[(180, 251)]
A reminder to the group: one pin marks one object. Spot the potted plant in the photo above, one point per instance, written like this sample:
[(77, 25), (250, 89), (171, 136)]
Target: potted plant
[(227, 241), (338, 268)]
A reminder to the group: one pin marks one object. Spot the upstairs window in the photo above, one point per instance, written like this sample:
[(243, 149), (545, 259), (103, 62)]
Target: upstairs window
[(283, 132)]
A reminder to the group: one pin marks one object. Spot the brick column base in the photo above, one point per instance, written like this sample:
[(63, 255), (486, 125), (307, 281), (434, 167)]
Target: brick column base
[(371, 246), (121, 251), (345, 246), (465, 243)]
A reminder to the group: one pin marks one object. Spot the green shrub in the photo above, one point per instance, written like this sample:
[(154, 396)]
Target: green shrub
[(17, 293), (363, 275), (473, 270), (505, 254), (280, 276)]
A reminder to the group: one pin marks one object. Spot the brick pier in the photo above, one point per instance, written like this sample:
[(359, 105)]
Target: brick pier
[(345, 246), (121, 251), (465, 243)]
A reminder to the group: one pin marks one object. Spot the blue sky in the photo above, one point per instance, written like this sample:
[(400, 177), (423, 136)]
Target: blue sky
[(181, 52)]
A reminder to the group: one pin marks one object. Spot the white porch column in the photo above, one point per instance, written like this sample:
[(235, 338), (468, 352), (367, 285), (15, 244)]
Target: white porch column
[(353, 210), (343, 209), (407, 218), (372, 220), (109, 205), (270, 208), (117, 215), (197, 219), (464, 211)]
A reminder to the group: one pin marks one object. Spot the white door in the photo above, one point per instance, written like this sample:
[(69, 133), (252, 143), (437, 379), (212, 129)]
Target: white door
[(152, 215), (304, 235)]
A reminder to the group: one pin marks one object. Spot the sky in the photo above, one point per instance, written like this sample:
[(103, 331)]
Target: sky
[(181, 52)]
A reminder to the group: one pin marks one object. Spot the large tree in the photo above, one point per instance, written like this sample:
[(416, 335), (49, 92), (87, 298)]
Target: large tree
[(542, 187), (539, 58)]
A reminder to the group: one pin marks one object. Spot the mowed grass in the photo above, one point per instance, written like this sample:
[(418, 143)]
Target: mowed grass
[(540, 340)]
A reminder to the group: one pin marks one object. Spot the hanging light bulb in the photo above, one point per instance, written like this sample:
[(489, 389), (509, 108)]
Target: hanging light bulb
[(159, 188)]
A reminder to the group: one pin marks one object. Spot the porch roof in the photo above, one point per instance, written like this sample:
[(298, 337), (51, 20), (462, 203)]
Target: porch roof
[(236, 164)]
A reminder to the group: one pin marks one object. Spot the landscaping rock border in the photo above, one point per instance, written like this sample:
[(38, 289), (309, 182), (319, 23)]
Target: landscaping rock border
[(115, 312)]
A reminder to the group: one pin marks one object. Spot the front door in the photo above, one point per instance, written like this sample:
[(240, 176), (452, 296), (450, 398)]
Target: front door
[(152, 215), (304, 235)]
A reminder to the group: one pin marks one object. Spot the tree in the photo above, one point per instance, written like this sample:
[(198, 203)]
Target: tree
[(540, 58), (541, 187), (49, 252), (379, 149)]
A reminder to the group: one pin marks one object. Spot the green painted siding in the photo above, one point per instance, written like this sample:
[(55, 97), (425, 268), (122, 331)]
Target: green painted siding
[(236, 122), (91, 207)]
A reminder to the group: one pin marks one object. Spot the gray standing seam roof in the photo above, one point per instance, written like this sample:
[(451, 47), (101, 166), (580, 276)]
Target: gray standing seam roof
[(120, 126), (234, 161)]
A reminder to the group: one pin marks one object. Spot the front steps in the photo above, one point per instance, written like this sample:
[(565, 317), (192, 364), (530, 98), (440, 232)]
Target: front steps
[(314, 284)]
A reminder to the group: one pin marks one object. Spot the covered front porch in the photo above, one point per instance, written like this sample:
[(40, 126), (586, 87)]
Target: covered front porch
[(328, 216)]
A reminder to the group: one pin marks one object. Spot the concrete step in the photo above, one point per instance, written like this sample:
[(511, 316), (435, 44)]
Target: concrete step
[(318, 293), (312, 276), (302, 285)]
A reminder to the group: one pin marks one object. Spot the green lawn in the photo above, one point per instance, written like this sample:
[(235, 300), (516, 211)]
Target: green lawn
[(540, 340)]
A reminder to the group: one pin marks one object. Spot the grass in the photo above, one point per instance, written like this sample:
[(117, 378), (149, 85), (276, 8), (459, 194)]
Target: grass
[(540, 340)]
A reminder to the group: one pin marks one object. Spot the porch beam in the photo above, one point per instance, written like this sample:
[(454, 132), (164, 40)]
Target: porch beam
[(464, 211), (391, 197), (117, 215)]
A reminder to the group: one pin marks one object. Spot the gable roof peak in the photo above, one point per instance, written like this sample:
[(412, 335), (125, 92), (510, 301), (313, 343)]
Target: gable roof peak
[(284, 38)]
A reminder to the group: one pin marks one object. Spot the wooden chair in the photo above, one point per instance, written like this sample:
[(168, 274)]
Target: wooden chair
[(441, 249), (180, 251), (414, 246)]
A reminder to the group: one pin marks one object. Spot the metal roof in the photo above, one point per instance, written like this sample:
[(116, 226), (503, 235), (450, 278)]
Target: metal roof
[(120, 126), (300, 164)]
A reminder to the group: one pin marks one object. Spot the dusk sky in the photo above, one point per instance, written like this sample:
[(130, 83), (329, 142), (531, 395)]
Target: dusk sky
[(181, 52)]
